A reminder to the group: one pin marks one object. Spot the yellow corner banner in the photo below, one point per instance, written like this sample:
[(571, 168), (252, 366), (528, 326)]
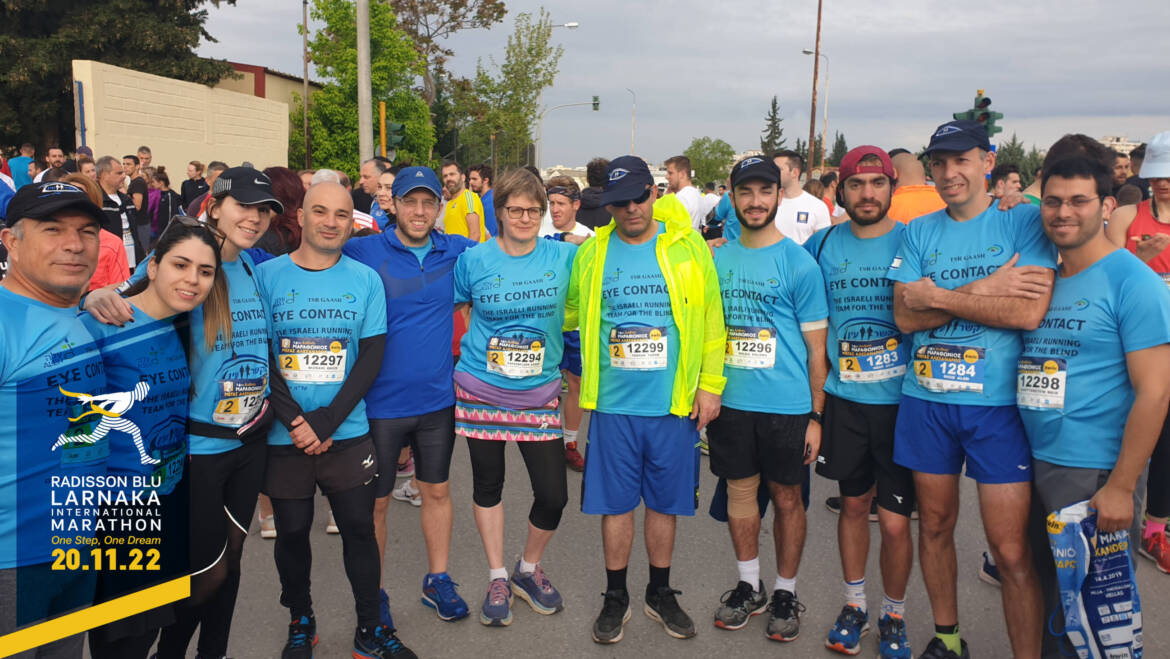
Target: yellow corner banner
[(94, 616)]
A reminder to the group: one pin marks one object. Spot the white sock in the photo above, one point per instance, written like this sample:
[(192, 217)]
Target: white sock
[(570, 436), (785, 584), (749, 572), (498, 573), (526, 567), (855, 594), (893, 607)]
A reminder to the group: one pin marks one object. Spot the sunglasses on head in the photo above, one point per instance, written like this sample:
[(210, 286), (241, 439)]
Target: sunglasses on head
[(187, 221)]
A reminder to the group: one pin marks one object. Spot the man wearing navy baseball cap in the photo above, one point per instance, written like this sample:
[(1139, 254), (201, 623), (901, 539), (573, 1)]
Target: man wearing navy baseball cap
[(647, 297), (967, 279), (411, 402)]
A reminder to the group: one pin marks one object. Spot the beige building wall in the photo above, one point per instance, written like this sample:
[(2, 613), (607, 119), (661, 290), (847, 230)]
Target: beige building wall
[(179, 121)]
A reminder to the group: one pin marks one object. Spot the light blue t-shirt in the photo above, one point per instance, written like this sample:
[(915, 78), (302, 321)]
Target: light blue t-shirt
[(1073, 384), (867, 353), (149, 353), (517, 310), (421, 252), (639, 340), (725, 213), (318, 318), (231, 381), (963, 362), (49, 365), (768, 293), (19, 168)]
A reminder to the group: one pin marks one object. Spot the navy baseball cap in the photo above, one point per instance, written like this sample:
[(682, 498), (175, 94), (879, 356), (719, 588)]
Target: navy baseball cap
[(626, 179), (41, 201), (755, 168), (249, 186), (958, 136), (413, 178)]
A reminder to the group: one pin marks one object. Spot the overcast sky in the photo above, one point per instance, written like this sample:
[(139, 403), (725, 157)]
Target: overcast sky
[(896, 70)]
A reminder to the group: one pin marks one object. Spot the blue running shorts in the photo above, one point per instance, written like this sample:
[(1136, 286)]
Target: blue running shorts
[(936, 438), (641, 458)]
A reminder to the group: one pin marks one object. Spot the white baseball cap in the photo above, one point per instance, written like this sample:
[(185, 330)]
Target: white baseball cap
[(1157, 161)]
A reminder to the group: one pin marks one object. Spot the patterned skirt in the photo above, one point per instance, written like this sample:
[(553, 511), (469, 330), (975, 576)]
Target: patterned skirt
[(479, 419)]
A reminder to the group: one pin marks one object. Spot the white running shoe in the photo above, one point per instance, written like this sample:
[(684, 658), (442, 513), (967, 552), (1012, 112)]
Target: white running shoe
[(331, 527), (408, 494), (267, 527)]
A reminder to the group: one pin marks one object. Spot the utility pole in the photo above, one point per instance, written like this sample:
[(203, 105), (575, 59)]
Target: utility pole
[(633, 119), (305, 93), (365, 103), (812, 115)]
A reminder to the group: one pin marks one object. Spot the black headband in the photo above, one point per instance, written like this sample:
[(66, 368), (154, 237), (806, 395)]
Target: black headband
[(560, 189)]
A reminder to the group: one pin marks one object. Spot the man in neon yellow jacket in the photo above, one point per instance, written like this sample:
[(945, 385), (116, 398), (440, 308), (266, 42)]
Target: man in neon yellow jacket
[(645, 295)]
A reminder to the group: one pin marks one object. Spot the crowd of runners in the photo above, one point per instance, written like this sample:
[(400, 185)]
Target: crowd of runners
[(882, 339)]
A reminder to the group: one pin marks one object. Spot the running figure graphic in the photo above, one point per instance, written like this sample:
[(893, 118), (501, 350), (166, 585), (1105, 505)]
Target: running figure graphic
[(111, 407)]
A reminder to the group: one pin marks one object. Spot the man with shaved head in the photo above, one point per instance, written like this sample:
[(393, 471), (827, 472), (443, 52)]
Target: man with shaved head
[(913, 197), (328, 335)]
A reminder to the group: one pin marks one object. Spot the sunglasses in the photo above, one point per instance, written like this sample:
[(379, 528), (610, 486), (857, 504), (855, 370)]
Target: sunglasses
[(187, 221), (639, 200)]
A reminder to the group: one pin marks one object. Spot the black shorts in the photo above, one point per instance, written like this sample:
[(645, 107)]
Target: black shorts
[(743, 444), (857, 451), (430, 436), (293, 474)]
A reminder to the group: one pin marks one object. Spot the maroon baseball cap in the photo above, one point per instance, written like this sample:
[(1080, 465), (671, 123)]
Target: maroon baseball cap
[(851, 163)]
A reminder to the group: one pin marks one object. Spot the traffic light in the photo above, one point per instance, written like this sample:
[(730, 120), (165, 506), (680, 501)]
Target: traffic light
[(394, 135), (596, 103), (982, 113)]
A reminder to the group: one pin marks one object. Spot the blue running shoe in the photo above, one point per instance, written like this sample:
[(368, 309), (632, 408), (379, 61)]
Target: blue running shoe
[(989, 572), (439, 593), (384, 609), (379, 643), (497, 604), (537, 590), (845, 636), (302, 636), (893, 643)]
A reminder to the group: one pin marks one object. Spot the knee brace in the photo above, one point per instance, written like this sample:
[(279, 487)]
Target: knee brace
[(741, 497)]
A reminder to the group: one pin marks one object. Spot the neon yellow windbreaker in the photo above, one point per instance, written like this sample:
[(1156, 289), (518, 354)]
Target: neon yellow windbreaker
[(693, 286)]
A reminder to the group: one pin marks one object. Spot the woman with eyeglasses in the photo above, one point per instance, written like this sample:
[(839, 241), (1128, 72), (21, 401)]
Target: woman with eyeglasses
[(508, 382), (228, 417), (143, 415)]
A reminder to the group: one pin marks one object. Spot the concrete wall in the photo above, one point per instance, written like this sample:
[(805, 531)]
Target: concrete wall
[(179, 121)]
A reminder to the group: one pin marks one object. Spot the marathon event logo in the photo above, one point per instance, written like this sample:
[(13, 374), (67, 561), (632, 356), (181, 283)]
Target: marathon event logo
[(111, 409)]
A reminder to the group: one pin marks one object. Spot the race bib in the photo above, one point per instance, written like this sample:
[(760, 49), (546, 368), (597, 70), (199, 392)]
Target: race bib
[(948, 368), (1165, 277), (239, 400), (638, 348), (515, 357), (1041, 383), (871, 361), (305, 359), (750, 347)]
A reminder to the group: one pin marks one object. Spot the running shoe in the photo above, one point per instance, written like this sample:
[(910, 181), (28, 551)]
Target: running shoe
[(497, 604), (784, 618), (302, 636), (573, 457), (331, 527), (408, 494), (662, 605), (379, 643), (988, 571), (405, 469), (537, 590), (893, 643), (1157, 549), (938, 650), (739, 604), (845, 636), (439, 593), (268, 527), (615, 613), (384, 609)]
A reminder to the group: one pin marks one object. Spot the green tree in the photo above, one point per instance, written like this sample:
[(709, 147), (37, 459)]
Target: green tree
[(1010, 152), (814, 160), (333, 111), (839, 151), (711, 159), (772, 138), (39, 39), (801, 148)]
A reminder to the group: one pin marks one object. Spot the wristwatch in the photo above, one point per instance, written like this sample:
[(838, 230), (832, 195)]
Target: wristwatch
[(819, 417)]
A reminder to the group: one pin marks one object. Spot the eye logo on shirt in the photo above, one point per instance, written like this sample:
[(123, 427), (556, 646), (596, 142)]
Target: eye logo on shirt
[(549, 274), (349, 298), (995, 250), (773, 282), (1081, 304)]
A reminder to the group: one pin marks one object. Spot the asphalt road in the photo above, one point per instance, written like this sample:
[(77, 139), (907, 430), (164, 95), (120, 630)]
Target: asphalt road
[(704, 568)]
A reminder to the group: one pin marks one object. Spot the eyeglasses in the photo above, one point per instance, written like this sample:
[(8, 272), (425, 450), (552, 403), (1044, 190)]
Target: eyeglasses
[(187, 221), (414, 204), (517, 212), (1076, 203)]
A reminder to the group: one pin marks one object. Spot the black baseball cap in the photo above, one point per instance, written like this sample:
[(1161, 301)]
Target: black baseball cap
[(755, 168), (41, 201), (958, 136), (250, 187), (626, 179)]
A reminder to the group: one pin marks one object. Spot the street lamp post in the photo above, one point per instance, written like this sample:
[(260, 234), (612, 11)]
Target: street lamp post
[(825, 125), (633, 119), (571, 25)]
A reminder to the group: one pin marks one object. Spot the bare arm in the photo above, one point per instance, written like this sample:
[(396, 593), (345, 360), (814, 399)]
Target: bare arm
[(995, 311), (473, 227), (1119, 223), (818, 371)]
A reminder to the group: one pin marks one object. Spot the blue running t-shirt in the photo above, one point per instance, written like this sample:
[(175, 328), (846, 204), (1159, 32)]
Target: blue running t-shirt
[(318, 318), (769, 293), (517, 308), (963, 362), (1073, 386), (867, 353)]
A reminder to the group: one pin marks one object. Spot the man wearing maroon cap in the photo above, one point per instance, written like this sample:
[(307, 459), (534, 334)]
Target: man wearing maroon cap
[(867, 362)]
